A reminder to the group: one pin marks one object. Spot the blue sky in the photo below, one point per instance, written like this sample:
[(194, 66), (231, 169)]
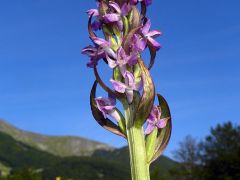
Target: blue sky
[(44, 83)]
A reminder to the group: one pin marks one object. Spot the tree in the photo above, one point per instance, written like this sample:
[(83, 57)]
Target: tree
[(188, 156), (220, 153), (216, 157)]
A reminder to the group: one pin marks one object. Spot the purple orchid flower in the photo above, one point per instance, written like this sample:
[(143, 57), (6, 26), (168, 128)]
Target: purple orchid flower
[(154, 120), (138, 43), (107, 107), (96, 25), (93, 12), (128, 87), (149, 35), (95, 55), (105, 45), (121, 59), (116, 16)]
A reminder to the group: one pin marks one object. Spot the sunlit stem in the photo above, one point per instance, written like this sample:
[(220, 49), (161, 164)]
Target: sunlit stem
[(137, 150)]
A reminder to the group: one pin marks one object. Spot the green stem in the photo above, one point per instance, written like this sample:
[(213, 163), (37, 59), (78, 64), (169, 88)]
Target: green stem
[(137, 150)]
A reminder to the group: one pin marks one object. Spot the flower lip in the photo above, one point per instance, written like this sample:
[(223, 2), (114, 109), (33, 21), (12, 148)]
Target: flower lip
[(154, 120), (105, 105), (93, 12), (128, 87)]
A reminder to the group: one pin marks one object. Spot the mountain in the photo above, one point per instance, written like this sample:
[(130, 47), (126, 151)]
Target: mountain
[(22, 153), (58, 145), (18, 156)]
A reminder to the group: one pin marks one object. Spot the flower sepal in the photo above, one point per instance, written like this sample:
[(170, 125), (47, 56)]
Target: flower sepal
[(164, 128)]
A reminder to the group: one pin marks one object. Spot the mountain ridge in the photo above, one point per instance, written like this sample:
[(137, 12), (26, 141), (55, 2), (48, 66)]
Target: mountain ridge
[(90, 163), (16, 156), (58, 145)]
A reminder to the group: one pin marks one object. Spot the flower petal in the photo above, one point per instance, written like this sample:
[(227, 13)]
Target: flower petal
[(115, 6), (156, 113), (162, 123), (146, 27), (121, 57), (105, 105), (129, 94), (129, 79), (110, 52), (89, 50), (153, 33), (154, 43), (121, 53), (120, 25), (101, 42), (149, 129), (133, 59), (153, 116), (115, 115), (111, 63), (112, 17), (138, 43), (93, 12), (123, 69), (141, 44), (126, 8), (118, 86)]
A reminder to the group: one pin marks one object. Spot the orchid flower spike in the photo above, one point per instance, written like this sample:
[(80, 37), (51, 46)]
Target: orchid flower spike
[(125, 33)]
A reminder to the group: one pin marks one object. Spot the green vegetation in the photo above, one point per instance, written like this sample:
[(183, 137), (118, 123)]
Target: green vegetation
[(4, 170), (23, 174), (31, 155), (24, 160), (27, 161), (88, 168), (163, 164), (216, 157)]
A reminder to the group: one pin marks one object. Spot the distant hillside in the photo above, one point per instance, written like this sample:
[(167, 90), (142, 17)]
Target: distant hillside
[(161, 166), (17, 156), (21, 150), (57, 145)]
